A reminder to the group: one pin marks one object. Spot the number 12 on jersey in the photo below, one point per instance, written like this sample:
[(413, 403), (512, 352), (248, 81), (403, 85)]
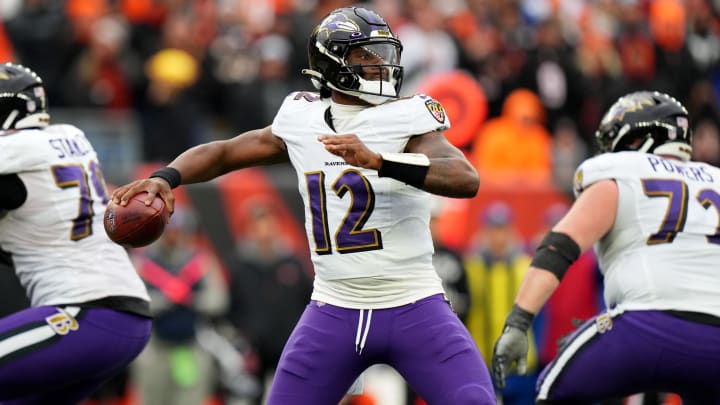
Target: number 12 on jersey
[(350, 237)]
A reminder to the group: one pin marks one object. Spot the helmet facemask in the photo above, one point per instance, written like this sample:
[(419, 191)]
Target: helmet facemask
[(376, 81), (653, 137)]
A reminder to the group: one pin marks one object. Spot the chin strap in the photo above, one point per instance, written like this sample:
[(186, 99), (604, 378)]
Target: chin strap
[(371, 89)]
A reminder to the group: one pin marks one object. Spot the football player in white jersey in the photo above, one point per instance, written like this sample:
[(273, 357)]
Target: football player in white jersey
[(90, 311), (365, 161), (654, 217)]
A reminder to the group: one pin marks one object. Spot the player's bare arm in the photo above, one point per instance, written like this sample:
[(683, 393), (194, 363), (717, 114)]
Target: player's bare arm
[(449, 174), (589, 219), (207, 161)]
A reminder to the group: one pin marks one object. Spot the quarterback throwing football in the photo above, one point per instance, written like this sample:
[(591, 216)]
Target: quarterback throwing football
[(365, 161)]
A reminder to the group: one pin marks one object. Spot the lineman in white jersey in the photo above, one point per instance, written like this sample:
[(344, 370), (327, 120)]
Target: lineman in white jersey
[(365, 162), (653, 216), (89, 316)]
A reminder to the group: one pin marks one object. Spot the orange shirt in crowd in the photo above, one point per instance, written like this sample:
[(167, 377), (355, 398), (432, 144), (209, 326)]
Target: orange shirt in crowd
[(515, 148)]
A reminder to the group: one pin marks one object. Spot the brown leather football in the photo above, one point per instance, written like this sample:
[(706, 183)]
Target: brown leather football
[(136, 224)]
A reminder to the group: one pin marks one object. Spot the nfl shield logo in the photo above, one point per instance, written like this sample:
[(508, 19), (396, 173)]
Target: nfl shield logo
[(110, 221)]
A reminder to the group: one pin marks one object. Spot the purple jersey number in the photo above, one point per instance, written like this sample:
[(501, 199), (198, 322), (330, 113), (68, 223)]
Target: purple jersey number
[(67, 176), (350, 236), (676, 192)]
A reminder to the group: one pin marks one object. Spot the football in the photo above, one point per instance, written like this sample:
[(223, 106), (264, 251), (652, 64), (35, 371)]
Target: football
[(136, 224)]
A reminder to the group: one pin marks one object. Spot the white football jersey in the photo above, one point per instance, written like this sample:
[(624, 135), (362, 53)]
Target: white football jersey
[(663, 251), (361, 226), (57, 240)]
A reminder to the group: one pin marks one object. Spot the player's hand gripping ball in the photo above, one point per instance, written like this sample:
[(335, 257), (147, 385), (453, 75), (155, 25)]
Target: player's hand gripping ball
[(136, 224)]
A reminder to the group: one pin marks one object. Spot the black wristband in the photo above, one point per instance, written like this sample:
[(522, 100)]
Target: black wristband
[(169, 174), (408, 168), (519, 318)]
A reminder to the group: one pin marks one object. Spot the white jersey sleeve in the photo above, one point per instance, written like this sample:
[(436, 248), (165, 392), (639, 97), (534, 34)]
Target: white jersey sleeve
[(663, 249), (358, 224), (56, 238)]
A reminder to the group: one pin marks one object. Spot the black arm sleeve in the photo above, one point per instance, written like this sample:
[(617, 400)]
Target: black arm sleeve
[(12, 192)]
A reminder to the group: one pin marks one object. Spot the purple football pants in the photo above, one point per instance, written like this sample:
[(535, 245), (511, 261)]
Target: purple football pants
[(424, 341), (60, 355), (637, 351)]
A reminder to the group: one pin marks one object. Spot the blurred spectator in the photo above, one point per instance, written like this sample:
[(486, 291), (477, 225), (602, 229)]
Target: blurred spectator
[(703, 37), (568, 151), (269, 287), (675, 67), (255, 78), (551, 72), (187, 289), (449, 265), (104, 74), (145, 20), (235, 68), (495, 268), (706, 137), (428, 48), (82, 15), (274, 82), (7, 54), (600, 65), (172, 117), (636, 48), (481, 53), (41, 36), (515, 148)]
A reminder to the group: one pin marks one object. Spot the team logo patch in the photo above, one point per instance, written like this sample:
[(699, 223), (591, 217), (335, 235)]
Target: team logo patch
[(436, 110), (62, 322), (604, 323)]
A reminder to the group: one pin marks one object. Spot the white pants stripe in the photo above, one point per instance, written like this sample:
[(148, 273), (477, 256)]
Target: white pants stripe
[(32, 336), (564, 358)]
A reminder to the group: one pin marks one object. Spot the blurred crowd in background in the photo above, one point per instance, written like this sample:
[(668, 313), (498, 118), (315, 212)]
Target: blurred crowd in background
[(524, 82), (203, 69)]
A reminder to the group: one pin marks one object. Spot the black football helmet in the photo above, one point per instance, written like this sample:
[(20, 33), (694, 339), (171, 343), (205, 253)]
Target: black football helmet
[(646, 121), (330, 44), (23, 103)]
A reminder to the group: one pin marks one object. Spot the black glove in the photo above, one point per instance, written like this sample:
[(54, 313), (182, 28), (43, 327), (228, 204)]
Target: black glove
[(512, 346)]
